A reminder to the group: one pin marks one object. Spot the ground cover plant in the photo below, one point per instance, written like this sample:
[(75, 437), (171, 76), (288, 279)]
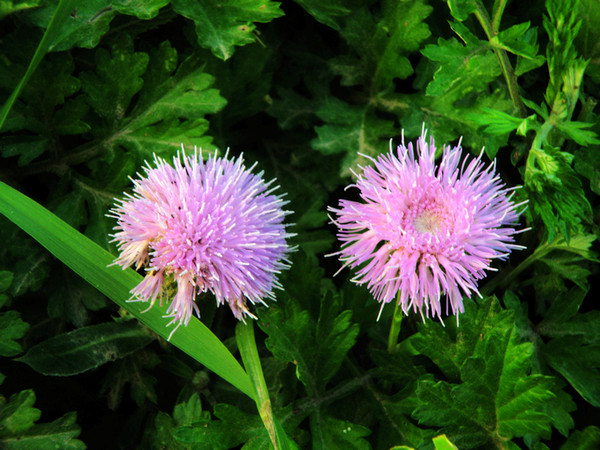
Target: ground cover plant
[(321, 274)]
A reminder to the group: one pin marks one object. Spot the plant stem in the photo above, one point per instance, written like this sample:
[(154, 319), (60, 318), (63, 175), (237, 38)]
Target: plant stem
[(395, 326), (244, 335), (509, 74), (540, 252), (498, 9)]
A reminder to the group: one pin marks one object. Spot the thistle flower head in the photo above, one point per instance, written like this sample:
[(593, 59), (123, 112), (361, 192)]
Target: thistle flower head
[(422, 231), (202, 226)]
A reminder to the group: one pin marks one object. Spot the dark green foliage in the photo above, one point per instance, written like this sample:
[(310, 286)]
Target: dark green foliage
[(497, 398), (18, 429), (86, 348), (310, 90)]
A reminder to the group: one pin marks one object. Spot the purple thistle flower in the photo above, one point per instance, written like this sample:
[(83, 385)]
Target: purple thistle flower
[(424, 230), (206, 226)]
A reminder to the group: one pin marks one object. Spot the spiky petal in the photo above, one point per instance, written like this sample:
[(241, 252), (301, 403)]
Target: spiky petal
[(205, 226), (423, 230)]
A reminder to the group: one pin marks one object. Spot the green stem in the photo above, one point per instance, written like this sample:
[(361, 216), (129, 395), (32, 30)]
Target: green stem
[(498, 9), (540, 252), (61, 14), (244, 335), (507, 70), (395, 326)]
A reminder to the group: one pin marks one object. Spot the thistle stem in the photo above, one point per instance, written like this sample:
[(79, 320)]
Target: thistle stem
[(244, 335), (395, 326), (507, 70)]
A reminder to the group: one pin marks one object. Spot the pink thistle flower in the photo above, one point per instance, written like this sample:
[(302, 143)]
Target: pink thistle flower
[(206, 226), (424, 230)]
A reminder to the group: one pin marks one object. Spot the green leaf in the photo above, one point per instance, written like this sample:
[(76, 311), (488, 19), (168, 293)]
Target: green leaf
[(327, 13), (499, 123), (586, 439), (342, 434), (443, 443), (71, 298), (86, 348), (91, 262), (587, 164), (18, 414), (84, 26), (498, 396), (381, 44), (462, 68), (316, 354), (161, 435), (17, 429), (142, 9), (221, 25), (555, 191), (173, 98), (131, 370), (460, 9), (578, 363), (575, 131), (209, 434), (117, 78), (12, 328), (351, 129), (292, 110), (6, 279), (9, 7), (59, 17), (518, 39), (28, 262), (49, 436)]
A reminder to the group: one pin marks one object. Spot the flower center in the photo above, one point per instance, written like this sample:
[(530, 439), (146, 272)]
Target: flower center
[(427, 221)]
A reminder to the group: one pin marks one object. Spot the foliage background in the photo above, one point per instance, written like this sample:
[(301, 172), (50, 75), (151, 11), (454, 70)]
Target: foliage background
[(305, 88)]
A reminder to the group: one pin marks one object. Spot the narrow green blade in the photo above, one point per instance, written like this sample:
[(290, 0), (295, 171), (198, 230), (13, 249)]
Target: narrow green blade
[(91, 261)]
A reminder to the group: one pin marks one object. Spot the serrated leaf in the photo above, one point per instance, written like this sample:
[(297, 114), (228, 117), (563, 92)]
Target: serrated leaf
[(497, 391), (587, 164), (381, 44), (586, 439), (6, 279), (12, 328), (462, 68), (578, 363), (221, 25), (117, 78), (161, 435), (318, 353), (326, 12), (555, 191), (142, 9), (19, 414), (575, 130), (335, 433), (173, 98), (48, 436), (217, 434), (498, 122), (86, 348), (516, 40), (292, 110), (131, 370), (9, 7), (460, 9), (84, 27), (351, 129), (71, 298)]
